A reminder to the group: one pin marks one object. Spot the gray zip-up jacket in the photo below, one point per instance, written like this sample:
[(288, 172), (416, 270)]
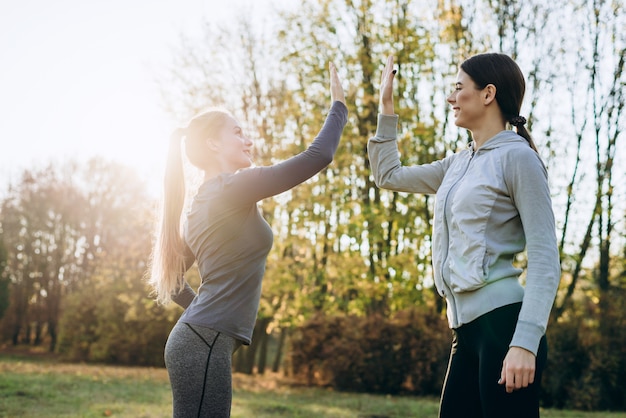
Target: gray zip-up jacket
[(490, 205)]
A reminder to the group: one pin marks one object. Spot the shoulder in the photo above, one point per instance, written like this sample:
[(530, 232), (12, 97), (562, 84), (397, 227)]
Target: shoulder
[(517, 155), (528, 159)]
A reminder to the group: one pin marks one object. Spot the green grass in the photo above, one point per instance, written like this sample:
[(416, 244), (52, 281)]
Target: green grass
[(46, 388)]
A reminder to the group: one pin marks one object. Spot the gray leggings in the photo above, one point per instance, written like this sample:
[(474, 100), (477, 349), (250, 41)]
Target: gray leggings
[(199, 361)]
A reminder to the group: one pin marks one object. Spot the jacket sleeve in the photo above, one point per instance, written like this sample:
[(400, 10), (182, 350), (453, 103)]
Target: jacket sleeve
[(387, 169), (527, 182)]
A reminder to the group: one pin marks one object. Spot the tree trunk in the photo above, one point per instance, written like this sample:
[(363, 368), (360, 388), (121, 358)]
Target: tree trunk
[(38, 332), (52, 331), (263, 353), (15, 337), (27, 334), (279, 350)]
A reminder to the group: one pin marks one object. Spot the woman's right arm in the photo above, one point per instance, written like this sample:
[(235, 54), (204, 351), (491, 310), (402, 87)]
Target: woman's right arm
[(383, 152), (252, 185)]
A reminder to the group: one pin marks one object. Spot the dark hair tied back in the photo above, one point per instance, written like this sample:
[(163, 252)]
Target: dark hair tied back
[(518, 121), (504, 73)]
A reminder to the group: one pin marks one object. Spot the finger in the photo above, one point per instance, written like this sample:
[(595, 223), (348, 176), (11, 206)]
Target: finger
[(336, 90), (383, 75), (387, 69), (510, 381), (507, 378), (336, 75), (391, 73), (529, 377), (389, 65), (524, 380)]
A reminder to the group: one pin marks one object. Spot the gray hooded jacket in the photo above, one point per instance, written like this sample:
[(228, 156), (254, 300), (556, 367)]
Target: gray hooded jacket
[(490, 205)]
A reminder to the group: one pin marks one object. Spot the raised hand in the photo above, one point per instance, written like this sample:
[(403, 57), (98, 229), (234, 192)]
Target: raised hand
[(386, 88), (336, 91)]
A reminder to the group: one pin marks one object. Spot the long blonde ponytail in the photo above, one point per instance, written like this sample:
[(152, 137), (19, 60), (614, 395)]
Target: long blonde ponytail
[(167, 261)]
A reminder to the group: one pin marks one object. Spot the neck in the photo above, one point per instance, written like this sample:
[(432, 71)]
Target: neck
[(216, 170), (209, 174), (486, 131)]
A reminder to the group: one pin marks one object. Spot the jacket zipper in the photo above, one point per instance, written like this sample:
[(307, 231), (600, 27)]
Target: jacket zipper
[(445, 224)]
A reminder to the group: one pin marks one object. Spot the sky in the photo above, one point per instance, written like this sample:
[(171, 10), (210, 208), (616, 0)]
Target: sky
[(79, 79)]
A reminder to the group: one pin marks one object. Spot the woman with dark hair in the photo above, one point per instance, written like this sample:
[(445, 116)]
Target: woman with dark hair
[(492, 202), (226, 235)]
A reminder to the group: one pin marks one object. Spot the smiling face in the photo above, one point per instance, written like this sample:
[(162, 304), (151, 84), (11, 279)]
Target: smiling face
[(467, 101), (232, 147)]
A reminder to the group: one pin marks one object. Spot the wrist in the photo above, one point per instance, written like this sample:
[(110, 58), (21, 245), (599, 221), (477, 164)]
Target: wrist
[(386, 107), (386, 110)]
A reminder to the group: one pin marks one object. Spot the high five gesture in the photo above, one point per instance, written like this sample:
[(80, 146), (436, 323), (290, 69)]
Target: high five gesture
[(386, 88)]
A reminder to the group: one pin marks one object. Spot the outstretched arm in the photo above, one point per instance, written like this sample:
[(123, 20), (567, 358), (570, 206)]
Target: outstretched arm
[(382, 149), (255, 184)]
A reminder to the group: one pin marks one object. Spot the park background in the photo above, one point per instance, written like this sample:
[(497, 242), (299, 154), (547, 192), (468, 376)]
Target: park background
[(348, 299)]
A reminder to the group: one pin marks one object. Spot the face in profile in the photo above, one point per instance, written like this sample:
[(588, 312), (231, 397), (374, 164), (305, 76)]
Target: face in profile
[(232, 146), (466, 101)]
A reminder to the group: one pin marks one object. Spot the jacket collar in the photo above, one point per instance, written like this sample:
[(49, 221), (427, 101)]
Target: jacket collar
[(501, 138)]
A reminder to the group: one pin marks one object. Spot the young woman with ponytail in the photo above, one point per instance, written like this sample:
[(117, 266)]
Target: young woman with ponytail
[(492, 202), (226, 235)]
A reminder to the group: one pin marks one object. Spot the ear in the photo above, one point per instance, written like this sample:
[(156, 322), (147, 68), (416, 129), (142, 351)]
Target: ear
[(211, 144), (489, 94)]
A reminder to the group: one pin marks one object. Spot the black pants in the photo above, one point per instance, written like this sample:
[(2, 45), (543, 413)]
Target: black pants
[(471, 388)]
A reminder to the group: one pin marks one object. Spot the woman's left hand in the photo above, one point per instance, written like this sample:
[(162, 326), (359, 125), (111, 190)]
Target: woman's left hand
[(518, 369)]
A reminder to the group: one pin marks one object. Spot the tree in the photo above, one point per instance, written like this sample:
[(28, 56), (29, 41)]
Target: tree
[(4, 281), (597, 115), (41, 231), (58, 224)]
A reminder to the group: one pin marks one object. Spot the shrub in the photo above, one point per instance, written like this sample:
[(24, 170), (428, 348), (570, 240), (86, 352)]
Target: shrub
[(587, 357), (406, 353)]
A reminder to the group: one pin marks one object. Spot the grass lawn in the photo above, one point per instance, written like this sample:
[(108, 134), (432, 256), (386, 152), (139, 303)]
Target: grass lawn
[(31, 387)]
